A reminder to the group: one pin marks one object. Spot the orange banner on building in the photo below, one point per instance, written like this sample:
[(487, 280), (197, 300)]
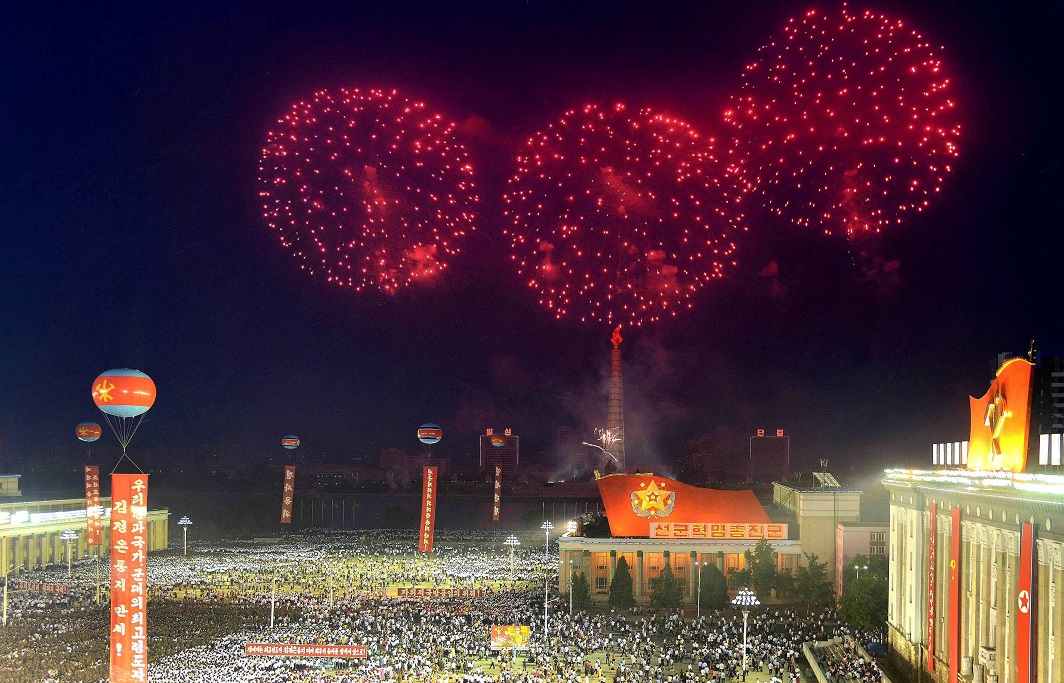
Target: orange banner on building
[(1026, 608), (1000, 420), (955, 595), (932, 583), (93, 511), (288, 493), (496, 503), (129, 578), (634, 501), (719, 532), (427, 526)]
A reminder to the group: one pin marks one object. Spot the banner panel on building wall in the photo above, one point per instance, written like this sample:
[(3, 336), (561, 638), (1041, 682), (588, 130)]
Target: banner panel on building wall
[(93, 512), (129, 578), (1026, 603), (427, 526), (932, 582), (288, 492), (954, 595), (496, 502)]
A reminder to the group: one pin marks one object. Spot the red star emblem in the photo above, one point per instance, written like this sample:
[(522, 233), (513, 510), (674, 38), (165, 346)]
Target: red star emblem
[(1024, 601)]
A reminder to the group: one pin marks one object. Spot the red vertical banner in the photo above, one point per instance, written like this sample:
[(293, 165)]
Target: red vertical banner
[(427, 527), (932, 582), (496, 501), (129, 578), (954, 594), (93, 511), (1026, 603), (288, 493)]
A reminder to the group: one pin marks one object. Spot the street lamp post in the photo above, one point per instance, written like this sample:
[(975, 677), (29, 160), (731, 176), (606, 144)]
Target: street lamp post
[(744, 600), (698, 597), (546, 581), (546, 526), (859, 567), (513, 543), (185, 523), (69, 535)]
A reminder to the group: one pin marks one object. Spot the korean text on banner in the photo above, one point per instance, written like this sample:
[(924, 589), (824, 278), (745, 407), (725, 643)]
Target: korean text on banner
[(427, 526), (129, 578), (288, 492)]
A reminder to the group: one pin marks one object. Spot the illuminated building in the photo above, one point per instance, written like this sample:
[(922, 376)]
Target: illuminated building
[(30, 532), (9, 485), (770, 456), (499, 449), (857, 538), (976, 549), (819, 506), (654, 521)]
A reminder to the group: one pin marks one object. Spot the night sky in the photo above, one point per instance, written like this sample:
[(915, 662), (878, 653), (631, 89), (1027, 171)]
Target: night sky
[(132, 237)]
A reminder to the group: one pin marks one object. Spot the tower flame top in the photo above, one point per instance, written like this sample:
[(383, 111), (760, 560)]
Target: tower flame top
[(616, 338)]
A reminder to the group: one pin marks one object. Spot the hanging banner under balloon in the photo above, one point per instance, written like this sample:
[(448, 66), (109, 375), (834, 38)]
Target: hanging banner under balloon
[(93, 511), (496, 503), (129, 578), (428, 509), (288, 493)]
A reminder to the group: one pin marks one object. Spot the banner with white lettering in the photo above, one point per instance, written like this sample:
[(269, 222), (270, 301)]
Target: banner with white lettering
[(427, 525), (496, 503), (288, 493), (129, 578), (93, 512)]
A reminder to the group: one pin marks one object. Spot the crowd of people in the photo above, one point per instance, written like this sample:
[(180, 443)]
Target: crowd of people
[(339, 588), (842, 661)]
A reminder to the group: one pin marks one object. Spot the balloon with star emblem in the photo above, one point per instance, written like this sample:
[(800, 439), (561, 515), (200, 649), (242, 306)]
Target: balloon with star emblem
[(123, 396)]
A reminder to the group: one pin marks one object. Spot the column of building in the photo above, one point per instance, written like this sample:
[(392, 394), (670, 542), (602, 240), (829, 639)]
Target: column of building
[(692, 577), (640, 569), (971, 589)]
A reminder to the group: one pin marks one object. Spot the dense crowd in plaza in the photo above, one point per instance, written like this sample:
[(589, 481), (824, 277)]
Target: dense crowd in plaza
[(334, 589), (841, 661)]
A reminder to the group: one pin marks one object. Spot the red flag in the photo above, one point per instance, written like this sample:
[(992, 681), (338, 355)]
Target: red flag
[(129, 578), (1026, 603), (427, 526), (93, 523), (288, 493), (954, 595), (932, 584), (496, 502)]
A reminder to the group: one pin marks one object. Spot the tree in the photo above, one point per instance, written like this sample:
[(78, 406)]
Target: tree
[(714, 588), (621, 587), (762, 564), (666, 590), (581, 591), (870, 565), (864, 604), (785, 584), (811, 582)]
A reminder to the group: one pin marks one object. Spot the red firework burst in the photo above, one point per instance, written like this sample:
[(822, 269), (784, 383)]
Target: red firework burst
[(620, 217), (847, 122), (367, 188)]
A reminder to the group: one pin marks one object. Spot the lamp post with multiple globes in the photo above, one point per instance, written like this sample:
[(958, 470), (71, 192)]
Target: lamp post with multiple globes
[(744, 600)]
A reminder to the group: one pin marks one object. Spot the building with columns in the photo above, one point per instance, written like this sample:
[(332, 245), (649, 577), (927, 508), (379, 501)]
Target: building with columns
[(30, 533), (980, 635), (977, 542), (655, 521)]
